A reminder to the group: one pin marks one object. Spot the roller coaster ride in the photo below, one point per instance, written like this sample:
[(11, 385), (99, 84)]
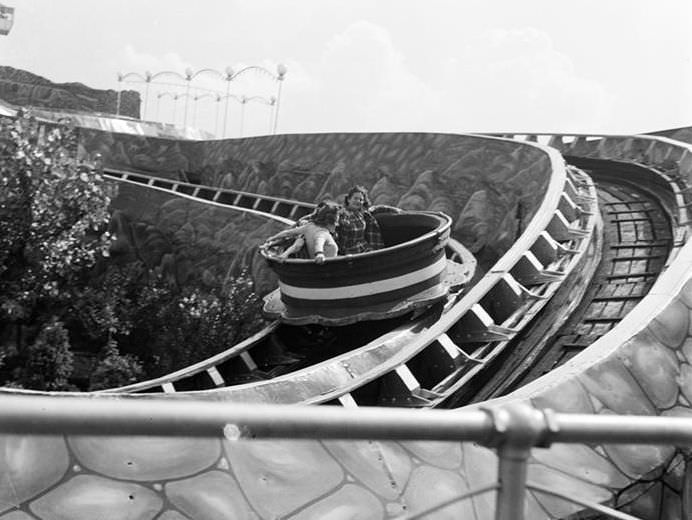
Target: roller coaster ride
[(591, 291)]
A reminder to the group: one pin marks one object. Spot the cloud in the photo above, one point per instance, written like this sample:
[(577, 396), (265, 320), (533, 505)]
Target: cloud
[(358, 80), (510, 78), (137, 61), (364, 84), (499, 80)]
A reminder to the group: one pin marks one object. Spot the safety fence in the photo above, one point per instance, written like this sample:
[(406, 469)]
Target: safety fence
[(512, 431)]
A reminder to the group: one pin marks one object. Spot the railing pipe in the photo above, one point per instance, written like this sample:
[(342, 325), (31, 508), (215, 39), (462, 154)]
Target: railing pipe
[(578, 428), (515, 425), (511, 493), (512, 429), (40, 414)]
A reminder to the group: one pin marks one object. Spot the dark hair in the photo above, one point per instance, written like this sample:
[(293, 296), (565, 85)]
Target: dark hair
[(326, 214), (358, 189)]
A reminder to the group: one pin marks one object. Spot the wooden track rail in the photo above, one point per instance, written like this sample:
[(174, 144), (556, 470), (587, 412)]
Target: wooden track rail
[(661, 171), (285, 210), (638, 235)]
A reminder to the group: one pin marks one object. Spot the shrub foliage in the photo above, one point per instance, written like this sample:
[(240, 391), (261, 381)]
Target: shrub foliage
[(60, 292)]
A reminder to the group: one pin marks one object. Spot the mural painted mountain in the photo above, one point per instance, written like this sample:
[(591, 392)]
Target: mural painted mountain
[(152, 155), (490, 187), (189, 243)]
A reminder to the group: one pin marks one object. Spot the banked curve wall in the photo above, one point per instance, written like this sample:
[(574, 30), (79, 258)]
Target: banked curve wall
[(491, 187), (476, 180)]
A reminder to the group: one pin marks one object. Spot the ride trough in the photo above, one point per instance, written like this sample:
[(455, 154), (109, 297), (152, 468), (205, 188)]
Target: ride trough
[(411, 272)]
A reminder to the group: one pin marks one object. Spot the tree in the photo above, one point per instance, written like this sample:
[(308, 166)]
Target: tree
[(181, 326), (53, 221), (47, 362), (115, 369), (53, 213), (53, 217)]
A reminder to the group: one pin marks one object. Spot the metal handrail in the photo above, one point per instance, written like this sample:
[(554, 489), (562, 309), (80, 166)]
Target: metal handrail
[(512, 429)]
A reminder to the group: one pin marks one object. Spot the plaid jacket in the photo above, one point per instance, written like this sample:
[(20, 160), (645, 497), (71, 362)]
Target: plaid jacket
[(357, 232)]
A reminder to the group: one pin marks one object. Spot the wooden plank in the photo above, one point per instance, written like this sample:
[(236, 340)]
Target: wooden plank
[(407, 378), (216, 377), (347, 401), (249, 362), (449, 346)]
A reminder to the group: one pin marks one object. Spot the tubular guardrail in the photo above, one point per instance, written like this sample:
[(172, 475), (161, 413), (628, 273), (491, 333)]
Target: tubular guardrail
[(512, 431)]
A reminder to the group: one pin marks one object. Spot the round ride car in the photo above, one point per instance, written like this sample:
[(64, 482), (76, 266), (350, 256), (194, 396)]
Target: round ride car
[(411, 272)]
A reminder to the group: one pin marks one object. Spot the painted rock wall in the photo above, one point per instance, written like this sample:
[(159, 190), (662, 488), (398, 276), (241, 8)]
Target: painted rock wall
[(155, 156), (478, 181), (189, 242), (491, 187)]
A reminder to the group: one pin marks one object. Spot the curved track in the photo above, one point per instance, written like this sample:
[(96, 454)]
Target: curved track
[(459, 363), (398, 362), (638, 240), (284, 210), (390, 479)]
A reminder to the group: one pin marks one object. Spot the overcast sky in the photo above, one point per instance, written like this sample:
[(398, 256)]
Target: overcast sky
[(588, 66)]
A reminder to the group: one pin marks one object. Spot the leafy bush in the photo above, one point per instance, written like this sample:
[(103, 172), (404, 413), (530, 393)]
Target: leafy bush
[(48, 361), (183, 326), (115, 369), (105, 305), (59, 289), (53, 216)]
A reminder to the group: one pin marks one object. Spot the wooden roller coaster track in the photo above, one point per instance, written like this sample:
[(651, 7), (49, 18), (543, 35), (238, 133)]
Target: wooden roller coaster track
[(401, 362)]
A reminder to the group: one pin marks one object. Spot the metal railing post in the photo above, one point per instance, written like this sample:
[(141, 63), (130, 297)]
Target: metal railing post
[(511, 475), (517, 428)]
